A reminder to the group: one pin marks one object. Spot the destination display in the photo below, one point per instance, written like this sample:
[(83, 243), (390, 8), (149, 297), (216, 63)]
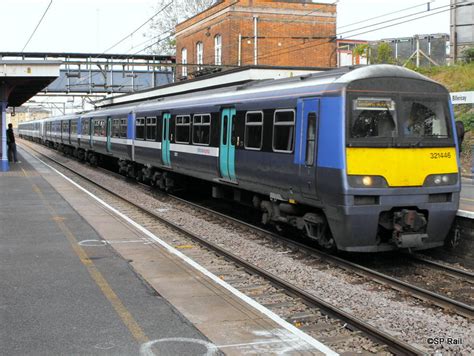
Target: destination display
[(374, 104)]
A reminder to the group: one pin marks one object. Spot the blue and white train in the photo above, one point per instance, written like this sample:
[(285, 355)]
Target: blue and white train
[(361, 160)]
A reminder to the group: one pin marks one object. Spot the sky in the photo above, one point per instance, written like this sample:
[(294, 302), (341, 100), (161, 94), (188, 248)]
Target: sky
[(92, 26)]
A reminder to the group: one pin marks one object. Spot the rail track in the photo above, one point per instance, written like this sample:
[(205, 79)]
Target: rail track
[(306, 310), (385, 279), (456, 272)]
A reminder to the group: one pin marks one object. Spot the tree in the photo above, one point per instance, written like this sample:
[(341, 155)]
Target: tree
[(362, 50), (384, 54), (162, 27)]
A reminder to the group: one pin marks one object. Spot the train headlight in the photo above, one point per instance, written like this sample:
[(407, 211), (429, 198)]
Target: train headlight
[(436, 180), (367, 181)]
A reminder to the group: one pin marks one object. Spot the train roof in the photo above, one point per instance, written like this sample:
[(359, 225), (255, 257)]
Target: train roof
[(271, 89)]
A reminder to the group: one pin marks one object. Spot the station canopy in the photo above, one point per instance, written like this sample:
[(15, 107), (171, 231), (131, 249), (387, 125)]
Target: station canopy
[(20, 80)]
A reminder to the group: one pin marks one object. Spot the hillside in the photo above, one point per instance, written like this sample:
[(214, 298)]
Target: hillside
[(459, 78), (455, 78)]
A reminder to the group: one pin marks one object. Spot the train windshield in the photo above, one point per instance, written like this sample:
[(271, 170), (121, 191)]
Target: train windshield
[(424, 118), (399, 120), (374, 117)]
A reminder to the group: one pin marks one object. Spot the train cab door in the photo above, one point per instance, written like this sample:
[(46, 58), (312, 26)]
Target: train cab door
[(227, 145), (165, 140), (306, 145)]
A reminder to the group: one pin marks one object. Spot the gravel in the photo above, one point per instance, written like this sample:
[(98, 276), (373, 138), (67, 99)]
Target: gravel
[(402, 316)]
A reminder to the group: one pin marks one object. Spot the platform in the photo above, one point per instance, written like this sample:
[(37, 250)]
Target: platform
[(467, 196), (76, 279)]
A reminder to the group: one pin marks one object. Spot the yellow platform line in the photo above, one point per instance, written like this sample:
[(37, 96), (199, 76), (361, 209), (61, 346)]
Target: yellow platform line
[(95, 274)]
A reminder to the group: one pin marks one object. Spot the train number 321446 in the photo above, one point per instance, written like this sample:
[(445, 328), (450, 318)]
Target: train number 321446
[(439, 155)]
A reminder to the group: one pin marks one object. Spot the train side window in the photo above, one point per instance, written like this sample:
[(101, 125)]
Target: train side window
[(224, 133), (96, 127), (182, 128), (65, 127), (151, 128), (85, 126), (253, 130), (201, 129), (283, 130), (74, 127), (123, 128), (115, 128), (311, 139), (103, 128), (140, 128)]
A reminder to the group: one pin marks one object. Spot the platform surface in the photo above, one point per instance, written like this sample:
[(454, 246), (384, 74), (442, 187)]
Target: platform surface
[(75, 279), (467, 195), (58, 298)]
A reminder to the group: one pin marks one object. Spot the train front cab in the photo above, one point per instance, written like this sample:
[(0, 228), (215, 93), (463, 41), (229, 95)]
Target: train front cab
[(400, 175)]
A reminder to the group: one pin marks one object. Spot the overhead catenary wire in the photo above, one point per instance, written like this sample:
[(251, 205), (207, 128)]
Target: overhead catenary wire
[(283, 50), (394, 19), (38, 24), (92, 75), (210, 56), (387, 14), (139, 27)]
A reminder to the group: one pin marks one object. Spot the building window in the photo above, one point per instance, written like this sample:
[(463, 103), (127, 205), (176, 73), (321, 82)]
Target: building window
[(253, 130), (283, 130), (201, 129), (182, 128), (218, 50), (199, 54), (184, 61)]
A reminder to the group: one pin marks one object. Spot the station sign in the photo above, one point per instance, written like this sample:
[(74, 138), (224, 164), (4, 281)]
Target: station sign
[(462, 97)]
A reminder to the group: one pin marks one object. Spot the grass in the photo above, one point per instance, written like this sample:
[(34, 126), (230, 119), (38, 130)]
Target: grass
[(459, 77), (466, 156)]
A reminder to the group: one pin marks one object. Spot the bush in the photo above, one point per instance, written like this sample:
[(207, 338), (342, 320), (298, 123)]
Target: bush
[(468, 54), (468, 119)]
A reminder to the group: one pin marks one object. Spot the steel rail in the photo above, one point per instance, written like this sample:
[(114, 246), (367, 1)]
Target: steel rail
[(395, 345), (421, 293), (467, 275)]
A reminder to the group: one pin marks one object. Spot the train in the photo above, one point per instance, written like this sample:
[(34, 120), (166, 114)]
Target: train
[(359, 159)]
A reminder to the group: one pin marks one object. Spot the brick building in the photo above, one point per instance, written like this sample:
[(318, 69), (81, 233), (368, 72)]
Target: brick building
[(258, 32)]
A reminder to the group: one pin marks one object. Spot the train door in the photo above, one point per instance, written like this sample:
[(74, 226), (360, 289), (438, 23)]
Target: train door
[(306, 144), (227, 145), (69, 124), (165, 140), (108, 132)]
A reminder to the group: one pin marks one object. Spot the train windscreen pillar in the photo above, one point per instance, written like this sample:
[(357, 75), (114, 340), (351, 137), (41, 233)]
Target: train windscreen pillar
[(4, 160)]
